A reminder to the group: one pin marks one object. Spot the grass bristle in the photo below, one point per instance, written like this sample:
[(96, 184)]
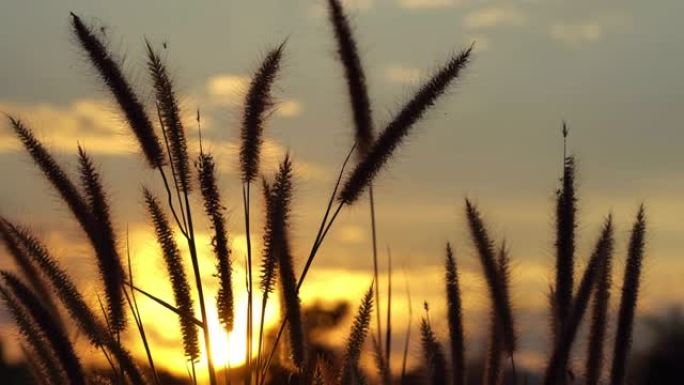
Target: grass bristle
[(258, 102), (395, 132), (279, 207), (53, 172), (433, 356), (556, 369), (215, 211), (178, 278), (498, 290), (565, 244), (169, 113), (110, 72), (597, 329), (108, 259), (44, 358), (56, 336), (628, 299), (29, 270), (356, 339), (455, 318), (354, 76)]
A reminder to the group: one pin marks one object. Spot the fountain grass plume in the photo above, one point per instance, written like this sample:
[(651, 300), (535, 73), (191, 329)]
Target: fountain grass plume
[(178, 278), (628, 299), (356, 339), (433, 356), (54, 334), (455, 318), (108, 259), (354, 75), (400, 126), (597, 329), (73, 301), (269, 262), (46, 361), (280, 211), (498, 290), (215, 211), (54, 173), (258, 102), (556, 369), (111, 74), (566, 212), (29, 271), (169, 113)]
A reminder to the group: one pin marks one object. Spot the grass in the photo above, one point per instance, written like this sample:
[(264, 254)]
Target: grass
[(35, 296)]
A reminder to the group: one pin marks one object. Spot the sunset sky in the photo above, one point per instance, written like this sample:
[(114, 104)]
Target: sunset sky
[(611, 69)]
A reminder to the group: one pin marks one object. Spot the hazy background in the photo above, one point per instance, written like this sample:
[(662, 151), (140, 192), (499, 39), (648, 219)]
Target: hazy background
[(612, 69)]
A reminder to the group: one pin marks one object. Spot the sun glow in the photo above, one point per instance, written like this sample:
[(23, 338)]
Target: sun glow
[(229, 349)]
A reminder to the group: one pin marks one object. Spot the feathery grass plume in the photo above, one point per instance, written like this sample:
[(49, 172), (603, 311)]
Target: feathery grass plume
[(179, 281), (169, 113), (354, 76), (64, 287), (79, 206), (492, 369), (269, 262), (38, 374), (497, 289), (214, 210), (597, 329), (280, 211), (110, 72), (556, 369), (493, 372), (566, 211), (400, 126), (29, 271), (258, 102), (628, 299), (381, 363), (356, 338), (45, 358), (73, 301), (108, 259), (54, 173), (455, 318), (435, 362), (53, 333)]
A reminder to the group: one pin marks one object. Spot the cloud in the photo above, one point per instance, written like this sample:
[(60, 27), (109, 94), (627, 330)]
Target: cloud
[(576, 33), (227, 88), (90, 123), (418, 4), (493, 16), (402, 74), (289, 108)]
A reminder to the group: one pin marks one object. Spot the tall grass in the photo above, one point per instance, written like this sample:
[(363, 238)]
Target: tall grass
[(36, 298)]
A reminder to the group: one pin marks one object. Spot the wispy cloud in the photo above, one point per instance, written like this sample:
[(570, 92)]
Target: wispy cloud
[(88, 122), (417, 4), (227, 89), (289, 108), (493, 16), (576, 34)]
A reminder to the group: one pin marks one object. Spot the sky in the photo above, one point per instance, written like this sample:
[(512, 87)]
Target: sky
[(610, 69)]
